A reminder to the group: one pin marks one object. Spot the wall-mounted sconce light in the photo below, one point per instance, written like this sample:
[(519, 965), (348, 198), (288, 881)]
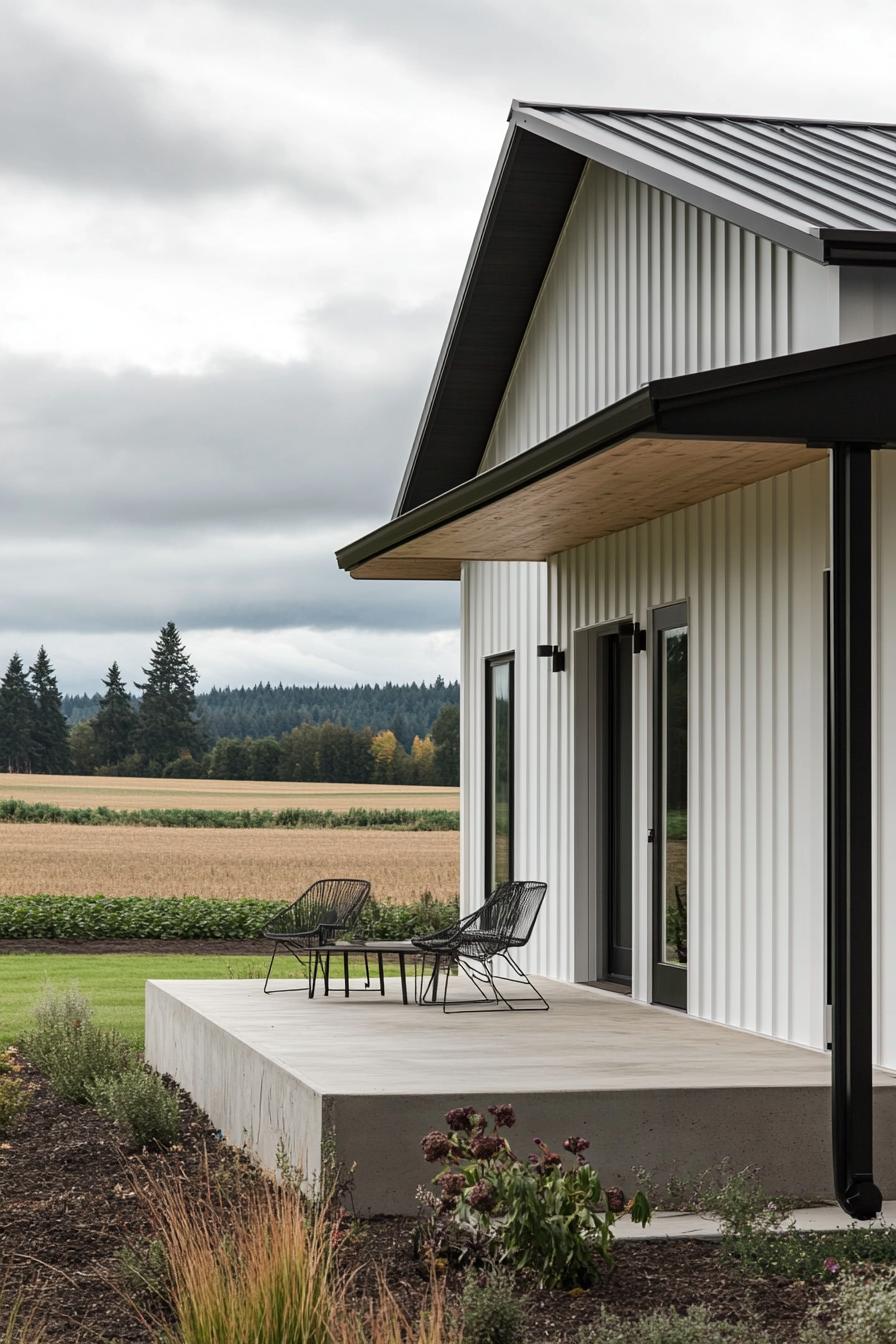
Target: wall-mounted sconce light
[(556, 655)]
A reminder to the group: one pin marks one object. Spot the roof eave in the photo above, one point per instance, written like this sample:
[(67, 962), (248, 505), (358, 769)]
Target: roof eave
[(598, 431)]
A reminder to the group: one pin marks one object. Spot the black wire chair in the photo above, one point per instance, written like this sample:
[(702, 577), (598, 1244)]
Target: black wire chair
[(328, 907), (473, 944)]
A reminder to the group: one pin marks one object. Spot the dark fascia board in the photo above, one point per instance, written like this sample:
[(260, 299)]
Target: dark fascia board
[(529, 198), (838, 393), (626, 417)]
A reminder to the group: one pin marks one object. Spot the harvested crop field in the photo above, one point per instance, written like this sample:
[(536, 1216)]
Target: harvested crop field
[(97, 791), (136, 861)]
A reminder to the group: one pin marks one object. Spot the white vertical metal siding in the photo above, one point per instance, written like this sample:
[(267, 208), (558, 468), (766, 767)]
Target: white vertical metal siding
[(642, 286)]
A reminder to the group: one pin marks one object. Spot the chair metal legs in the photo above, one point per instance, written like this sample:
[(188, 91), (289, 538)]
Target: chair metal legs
[(482, 976), (304, 964)]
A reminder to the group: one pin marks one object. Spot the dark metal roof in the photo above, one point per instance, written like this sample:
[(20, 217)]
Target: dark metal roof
[(839, 393), (807, 184), (826, 189)]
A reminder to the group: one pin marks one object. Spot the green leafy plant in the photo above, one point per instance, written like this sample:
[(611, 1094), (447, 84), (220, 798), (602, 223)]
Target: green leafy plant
[(695, 1326), (13, 1102), (71, 1049), (144, 1271), (491, 1309), (856, 1310), (140, 1104), (291, 818), (89, 917), (548, 1216), (758, 1235)]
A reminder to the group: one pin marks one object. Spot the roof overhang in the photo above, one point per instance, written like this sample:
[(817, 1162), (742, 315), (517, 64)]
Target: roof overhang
[(539, 168), (673, 443)]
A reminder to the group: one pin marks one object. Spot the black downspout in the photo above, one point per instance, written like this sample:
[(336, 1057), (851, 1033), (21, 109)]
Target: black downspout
[(850, 840)]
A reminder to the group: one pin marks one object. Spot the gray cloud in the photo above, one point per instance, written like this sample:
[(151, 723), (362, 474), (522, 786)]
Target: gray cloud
[(238, 580), (216, 499), (68, 116), (249, 443)]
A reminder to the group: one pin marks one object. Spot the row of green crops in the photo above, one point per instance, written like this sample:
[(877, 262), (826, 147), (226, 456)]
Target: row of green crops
[(295, 818), (92, 917)]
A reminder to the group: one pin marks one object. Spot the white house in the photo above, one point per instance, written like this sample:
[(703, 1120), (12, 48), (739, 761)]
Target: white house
[(649, 455)]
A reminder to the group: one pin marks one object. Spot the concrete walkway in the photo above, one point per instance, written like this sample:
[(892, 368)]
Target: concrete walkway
[(702, 1227)]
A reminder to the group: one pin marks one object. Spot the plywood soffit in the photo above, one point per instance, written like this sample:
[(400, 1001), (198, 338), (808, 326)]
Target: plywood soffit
[(640, 478)]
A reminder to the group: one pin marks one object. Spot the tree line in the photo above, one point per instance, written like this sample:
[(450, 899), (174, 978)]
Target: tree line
[(164, 734), (264, 710)]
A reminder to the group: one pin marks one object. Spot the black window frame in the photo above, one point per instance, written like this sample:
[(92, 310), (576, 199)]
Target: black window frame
[(508, 660)]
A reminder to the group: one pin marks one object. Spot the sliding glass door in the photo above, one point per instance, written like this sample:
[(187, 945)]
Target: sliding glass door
[(670, 805), (499, 728)]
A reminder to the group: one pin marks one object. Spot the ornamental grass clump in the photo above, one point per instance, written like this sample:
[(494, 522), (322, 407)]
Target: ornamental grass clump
[(264, 1276), (548, 1216), (66, 1045)]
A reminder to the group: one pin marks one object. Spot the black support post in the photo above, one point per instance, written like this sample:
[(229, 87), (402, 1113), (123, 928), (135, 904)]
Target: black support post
[(850, 839)]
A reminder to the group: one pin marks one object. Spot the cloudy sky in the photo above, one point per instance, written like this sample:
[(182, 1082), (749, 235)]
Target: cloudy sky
[(230, 236)]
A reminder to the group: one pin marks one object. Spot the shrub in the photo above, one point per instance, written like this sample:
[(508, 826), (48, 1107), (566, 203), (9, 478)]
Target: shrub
[(13, 1101), (143, 1270), (292, 818), (69, 1048), (88, 917), (857, 1311), (492, 1313), (140, 1104), (696, 1326), (545, 1215), (757, 1236)]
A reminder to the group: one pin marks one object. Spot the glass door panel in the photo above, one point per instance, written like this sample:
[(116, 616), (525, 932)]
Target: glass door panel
[(670, 829)]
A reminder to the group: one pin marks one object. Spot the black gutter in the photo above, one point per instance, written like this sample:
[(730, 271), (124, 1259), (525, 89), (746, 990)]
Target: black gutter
[(838, 392), (631, 415)]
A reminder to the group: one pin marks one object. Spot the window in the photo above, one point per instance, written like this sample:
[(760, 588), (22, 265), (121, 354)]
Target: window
[(498, 770)]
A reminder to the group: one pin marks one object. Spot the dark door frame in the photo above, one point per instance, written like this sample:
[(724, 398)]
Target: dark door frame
[(669, 983), (593, 869)]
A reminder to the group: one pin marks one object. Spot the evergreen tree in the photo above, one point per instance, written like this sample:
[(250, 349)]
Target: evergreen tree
[(115, 723), (16, 719), (83, 748), (51, 753), (166, 721), (446, 736)]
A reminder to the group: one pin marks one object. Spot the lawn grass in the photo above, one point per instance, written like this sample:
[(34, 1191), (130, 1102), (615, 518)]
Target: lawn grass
[(114, 982)]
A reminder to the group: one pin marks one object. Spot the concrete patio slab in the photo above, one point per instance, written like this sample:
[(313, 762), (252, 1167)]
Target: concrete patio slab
[(649, 1087)]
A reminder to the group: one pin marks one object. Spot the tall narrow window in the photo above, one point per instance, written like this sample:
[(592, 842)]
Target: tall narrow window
[(670, 804), (498, 770)]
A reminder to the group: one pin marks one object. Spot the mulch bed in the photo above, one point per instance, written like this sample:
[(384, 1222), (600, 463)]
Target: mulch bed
[(151, 946), (68, 1207)]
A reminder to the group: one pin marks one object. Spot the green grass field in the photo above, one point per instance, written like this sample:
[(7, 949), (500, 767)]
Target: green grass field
[(113, 982)]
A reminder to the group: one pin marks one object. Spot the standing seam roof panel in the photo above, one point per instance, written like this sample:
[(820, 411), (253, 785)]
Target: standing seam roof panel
[(809, 174)]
